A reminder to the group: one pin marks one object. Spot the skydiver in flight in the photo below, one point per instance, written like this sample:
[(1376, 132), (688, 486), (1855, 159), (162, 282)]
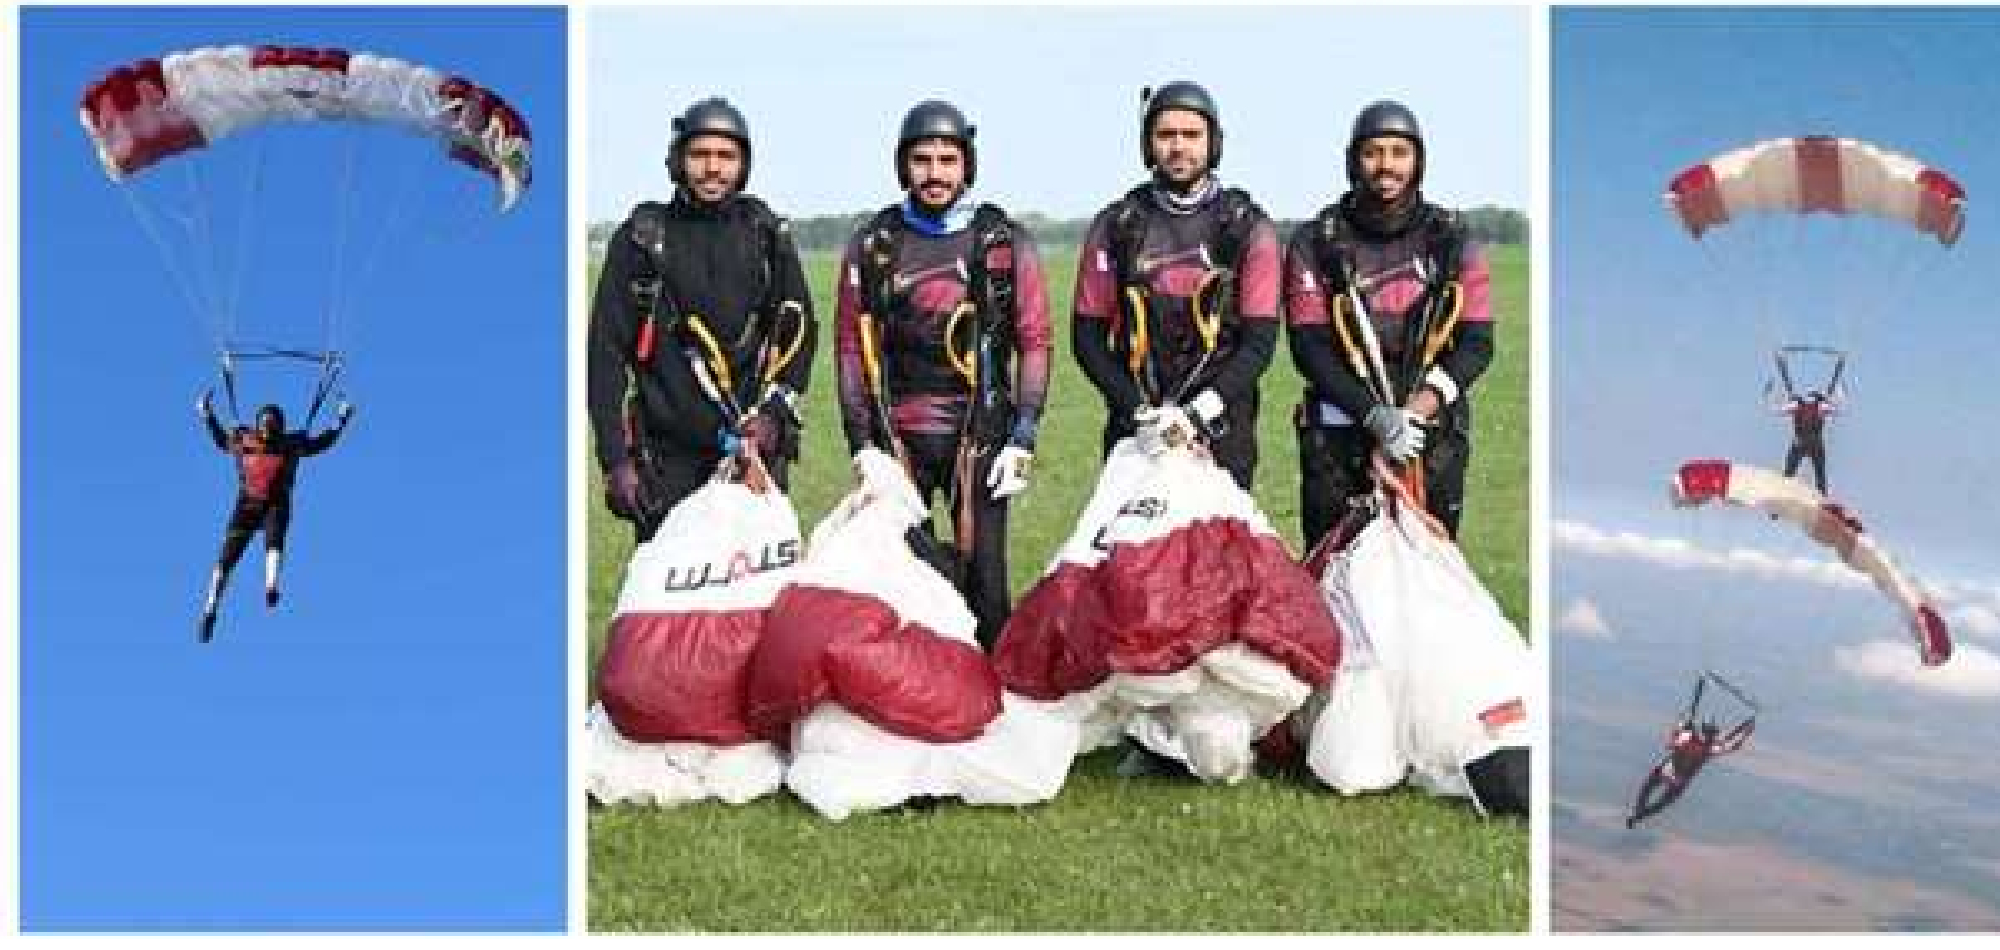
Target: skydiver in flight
[(267, 464), (1690, 744), (1809, 414)]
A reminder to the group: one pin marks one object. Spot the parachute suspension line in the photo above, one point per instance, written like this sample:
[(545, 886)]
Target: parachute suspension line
[(344, 214), (201, 250), (253, 189), (229, 387), (329, 376), (404, 196), (182, 280)]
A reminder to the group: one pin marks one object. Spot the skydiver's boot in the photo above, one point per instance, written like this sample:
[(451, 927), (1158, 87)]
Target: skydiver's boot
[(271, 579), (207, 625)]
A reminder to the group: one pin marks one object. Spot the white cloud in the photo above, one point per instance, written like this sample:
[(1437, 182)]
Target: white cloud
[(1969, 608), (1971, 673), (1678, 552), (1582, 618), (1977, 619)]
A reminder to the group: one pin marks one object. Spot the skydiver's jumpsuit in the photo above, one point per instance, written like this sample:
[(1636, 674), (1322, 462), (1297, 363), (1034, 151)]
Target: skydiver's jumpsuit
[(1334, 448), (1176, 250), (1809, 436), (265, 473), (929, 401), (732, 263), (1688, 750)]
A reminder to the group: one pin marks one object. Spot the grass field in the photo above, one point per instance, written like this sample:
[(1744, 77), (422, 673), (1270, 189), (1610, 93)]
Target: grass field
[(1109, 854)]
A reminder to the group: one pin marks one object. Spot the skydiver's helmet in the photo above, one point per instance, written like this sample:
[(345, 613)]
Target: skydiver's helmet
[(1387, 117), (1179, 95), (711, 116), (935, 119), (270, 420)]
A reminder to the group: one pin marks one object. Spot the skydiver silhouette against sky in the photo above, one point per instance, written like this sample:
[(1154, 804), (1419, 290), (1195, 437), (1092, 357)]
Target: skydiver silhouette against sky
[(1690, 744), (267, 465), (1809, 415)]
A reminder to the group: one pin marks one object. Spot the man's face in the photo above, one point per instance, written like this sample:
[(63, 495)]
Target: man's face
[(1388, 162), (1179, 146), (936, 168), (713, 166)]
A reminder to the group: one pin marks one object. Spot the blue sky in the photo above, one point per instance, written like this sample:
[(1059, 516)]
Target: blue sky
[(386, 752), (1054, 93), (1867, 773)]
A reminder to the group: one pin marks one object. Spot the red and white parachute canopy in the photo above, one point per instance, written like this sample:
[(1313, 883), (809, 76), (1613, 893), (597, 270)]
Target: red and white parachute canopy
[(1702, 482), (155, 108), (1818, 173)]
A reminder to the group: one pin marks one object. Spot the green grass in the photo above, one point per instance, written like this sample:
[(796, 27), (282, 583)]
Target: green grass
[(1272, 854)]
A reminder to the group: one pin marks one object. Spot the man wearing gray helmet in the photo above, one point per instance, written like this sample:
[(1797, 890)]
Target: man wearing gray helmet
[(943, 335), (701, 329), (1389, 321), (1176, 307)]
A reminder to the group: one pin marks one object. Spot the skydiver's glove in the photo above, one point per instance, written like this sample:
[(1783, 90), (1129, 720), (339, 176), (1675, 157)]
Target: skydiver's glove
[(1009, 474), (1206, 410), (1161, 427), (621, 490), (345, 412), (1398, 431), (206, 404)]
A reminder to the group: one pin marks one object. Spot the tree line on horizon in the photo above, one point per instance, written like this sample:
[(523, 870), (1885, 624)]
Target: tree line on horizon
[(1489, 224)]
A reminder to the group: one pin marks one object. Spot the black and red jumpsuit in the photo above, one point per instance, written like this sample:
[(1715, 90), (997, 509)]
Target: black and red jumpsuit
[(1394, 276), (1809, 418), (1176, 249), (266, 469), (929, 400)]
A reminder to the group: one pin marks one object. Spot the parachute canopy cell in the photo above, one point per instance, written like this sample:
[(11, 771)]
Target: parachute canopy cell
[(153, 109), (1825, 522), (1817, 173)]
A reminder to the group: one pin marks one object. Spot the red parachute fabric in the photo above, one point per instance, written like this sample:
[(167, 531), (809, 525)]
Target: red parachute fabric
[(1826, 523), (691, 613), (1818, 174), (140, 114), (822, 644), (1173, 613)]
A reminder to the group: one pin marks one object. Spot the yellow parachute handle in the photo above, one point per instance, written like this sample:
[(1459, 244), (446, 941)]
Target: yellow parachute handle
[(783, 358), (1338, 312), (716, 362), (1136, 359), (1434, 344), (962, 363), (871, 367), (1208, 324)]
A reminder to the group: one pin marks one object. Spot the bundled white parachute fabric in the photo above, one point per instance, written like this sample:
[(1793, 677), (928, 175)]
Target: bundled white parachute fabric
[(871, 665), (1173, 615), (1442, 680), (670, 726)]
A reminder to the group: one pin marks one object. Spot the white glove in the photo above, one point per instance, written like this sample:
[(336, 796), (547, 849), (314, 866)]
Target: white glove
[(1163, 427), (1398, 430), (1009, 474), (1208, 407)]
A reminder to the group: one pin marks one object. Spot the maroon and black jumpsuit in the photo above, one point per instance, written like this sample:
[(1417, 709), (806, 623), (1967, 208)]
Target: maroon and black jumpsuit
[(266, 468), (1808, 437), (1175, 251), (928, 400), (1688, 749), (1334, 447)]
